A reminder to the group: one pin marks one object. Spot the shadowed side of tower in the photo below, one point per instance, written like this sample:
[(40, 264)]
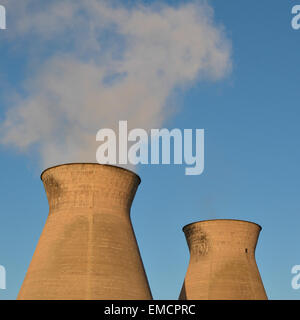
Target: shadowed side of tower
[(87, 249), (222, 261)]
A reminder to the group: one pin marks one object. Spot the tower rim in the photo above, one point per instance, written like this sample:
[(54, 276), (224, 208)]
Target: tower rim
[(219, 220), (91, 163)]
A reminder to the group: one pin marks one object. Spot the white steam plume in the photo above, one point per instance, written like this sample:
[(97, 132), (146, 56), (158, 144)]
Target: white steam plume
[(98, 63)]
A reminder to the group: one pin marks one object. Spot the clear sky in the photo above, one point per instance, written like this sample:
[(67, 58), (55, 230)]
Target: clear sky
[(251, 121)]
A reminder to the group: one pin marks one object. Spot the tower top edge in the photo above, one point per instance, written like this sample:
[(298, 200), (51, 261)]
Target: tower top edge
[(216, 221), (94, 164)]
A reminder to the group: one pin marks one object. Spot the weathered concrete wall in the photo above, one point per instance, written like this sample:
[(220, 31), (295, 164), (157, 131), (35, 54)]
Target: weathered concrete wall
[(222, 261), (87, 249)]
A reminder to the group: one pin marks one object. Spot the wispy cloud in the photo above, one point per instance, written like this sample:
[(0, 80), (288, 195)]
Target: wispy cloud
[(105, 63)]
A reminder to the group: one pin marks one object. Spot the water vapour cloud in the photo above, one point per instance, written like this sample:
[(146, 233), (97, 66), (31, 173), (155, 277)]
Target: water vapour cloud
[(100, 63)]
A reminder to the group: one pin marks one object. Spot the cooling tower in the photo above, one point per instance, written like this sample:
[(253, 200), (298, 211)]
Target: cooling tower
[(222, 261), (87, 249)]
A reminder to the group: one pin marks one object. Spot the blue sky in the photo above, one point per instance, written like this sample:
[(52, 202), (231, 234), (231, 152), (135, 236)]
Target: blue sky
[(252, 157)]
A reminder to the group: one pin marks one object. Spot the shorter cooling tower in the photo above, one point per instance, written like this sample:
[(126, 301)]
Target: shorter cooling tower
[(87, 249), (222, 261)]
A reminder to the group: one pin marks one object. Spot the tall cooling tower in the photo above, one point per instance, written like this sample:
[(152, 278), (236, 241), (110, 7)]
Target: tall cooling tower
[(87, 249), (222, 261)]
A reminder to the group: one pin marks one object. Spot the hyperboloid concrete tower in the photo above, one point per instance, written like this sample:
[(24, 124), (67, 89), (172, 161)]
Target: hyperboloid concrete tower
[(222, 261), (87, 249)]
